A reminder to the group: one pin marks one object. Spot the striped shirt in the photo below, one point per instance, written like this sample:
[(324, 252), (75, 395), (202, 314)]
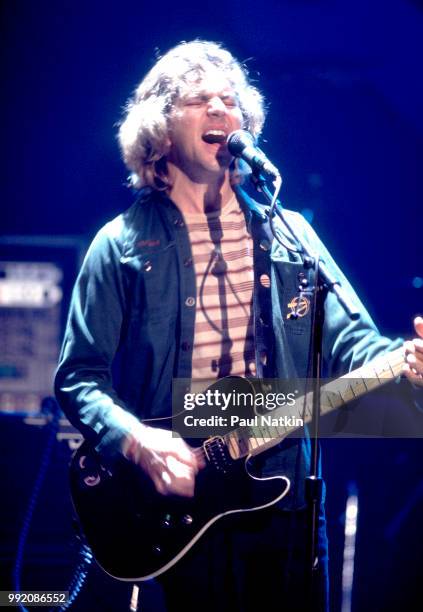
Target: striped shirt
[(222, 252)]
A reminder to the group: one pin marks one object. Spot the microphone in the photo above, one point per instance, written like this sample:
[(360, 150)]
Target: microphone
[(241, 144)]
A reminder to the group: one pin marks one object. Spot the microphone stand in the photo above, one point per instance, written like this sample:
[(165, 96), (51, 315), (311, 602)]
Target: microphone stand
[(324, 282)]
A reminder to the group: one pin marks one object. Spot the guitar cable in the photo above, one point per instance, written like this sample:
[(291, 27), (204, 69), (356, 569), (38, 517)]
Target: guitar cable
[(78, 578), (49, 406)]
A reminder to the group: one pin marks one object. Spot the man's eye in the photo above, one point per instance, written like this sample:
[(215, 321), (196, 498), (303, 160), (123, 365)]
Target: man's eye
[(231, 102), (193, 101)]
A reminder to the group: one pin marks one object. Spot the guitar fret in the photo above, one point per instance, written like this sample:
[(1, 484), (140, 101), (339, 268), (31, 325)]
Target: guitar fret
[(233, 446), (243, 445), (373, 383), (273, 431), (262, 435), (281, 429), (266, 430), (326, 404), (358, 387), (253, 441), (393, 373), (307, 406), (347, 394)]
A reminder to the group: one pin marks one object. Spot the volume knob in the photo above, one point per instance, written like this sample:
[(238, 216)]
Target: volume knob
[(187, 519)]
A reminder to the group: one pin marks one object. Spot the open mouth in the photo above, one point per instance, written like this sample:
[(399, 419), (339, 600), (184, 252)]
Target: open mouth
[(214, 136)]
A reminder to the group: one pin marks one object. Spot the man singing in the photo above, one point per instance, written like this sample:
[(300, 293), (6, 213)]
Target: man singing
[(188, 283)]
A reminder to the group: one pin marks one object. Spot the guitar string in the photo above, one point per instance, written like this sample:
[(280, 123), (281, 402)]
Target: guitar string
[(393, 360)]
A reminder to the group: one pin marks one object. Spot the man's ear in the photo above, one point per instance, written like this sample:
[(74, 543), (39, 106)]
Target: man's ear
[(167, 144)]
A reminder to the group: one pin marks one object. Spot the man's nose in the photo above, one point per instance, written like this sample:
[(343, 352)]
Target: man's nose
[(216, 106)]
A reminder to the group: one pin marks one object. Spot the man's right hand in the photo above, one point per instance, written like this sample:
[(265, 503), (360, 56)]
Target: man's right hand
[(171, 464)]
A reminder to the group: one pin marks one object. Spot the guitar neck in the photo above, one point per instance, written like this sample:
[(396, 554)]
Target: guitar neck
[(268, 430)]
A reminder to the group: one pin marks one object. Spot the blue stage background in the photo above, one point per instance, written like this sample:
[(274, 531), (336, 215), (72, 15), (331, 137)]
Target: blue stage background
[(345, 127)]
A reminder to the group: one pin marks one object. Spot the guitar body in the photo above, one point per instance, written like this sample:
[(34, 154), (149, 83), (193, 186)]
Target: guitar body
[(135, 533)]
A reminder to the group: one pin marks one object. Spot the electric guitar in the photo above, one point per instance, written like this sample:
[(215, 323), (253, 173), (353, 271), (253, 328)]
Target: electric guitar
[(136, 533)]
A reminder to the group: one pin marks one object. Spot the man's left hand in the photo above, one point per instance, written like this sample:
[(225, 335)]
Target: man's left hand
[(413, 366)]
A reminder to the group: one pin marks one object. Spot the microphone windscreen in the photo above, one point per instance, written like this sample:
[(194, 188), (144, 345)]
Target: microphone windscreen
[(238, 140)]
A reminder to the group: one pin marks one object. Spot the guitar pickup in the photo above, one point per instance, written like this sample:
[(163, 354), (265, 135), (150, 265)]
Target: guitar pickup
[(216, 452)]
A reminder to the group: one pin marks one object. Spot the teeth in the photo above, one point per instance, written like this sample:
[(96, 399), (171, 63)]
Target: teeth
[(214, 136), (216, 132)]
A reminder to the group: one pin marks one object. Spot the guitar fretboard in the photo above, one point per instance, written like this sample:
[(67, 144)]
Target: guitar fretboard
[(267, 432)]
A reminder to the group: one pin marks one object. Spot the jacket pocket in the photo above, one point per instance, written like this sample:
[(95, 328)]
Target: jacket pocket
[(151, 279)]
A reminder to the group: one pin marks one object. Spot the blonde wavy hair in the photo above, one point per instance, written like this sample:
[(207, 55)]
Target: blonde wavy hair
[(144, 129)]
